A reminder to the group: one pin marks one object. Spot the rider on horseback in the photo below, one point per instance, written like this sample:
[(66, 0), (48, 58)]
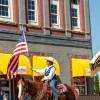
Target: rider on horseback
[(49, 75)]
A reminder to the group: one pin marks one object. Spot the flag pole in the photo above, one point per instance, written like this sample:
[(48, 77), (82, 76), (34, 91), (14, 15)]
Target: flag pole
[(28, 55)]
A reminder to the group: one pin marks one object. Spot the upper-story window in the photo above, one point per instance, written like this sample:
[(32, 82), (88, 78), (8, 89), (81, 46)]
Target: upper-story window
[(75, 14), (5, 9), (74, 2), (32, 11), (54, 6)]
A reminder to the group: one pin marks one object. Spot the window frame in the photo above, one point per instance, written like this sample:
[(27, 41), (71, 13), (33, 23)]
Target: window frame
[(36, 15), (10, 12), (76, 6), (58, 17)]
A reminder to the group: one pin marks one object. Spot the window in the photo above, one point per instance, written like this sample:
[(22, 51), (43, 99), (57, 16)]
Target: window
[(32, 12), (75, 15), (5, 10), (5, 87), (80, 85), (54, 13), (74, 2)]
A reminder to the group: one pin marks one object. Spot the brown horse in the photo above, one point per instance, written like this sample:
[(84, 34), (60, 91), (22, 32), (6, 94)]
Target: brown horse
[(37, 91)]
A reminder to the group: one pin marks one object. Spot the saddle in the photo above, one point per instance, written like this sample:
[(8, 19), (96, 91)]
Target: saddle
[(60, 87)]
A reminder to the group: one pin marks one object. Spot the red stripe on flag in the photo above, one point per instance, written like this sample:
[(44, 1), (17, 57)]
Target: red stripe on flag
[(19, 50), (19, 53), (11, 67), (15, 66), (14, 72), (19, 45)]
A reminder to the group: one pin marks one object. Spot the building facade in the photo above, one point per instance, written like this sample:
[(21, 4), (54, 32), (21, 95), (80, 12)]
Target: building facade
[(57, 28)]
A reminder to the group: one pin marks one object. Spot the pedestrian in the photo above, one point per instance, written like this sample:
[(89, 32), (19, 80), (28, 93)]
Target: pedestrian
[(4, 96)]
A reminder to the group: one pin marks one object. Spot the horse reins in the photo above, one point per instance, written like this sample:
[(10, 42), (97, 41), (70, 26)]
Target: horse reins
[(26, 97), (25, 91), (38, 93)]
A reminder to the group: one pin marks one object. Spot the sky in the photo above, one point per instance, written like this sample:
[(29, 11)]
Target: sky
[(95, 25)]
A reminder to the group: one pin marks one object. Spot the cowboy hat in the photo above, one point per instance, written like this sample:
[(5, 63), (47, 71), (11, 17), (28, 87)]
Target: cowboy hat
[(50, 59)]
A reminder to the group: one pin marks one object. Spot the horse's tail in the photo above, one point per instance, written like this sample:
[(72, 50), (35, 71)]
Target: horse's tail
[(76, 94)]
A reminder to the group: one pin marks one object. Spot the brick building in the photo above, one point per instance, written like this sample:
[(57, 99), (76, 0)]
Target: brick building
[(58, 28)]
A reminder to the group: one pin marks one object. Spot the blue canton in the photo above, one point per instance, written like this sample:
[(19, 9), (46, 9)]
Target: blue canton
[(47, 72), (21, 39)]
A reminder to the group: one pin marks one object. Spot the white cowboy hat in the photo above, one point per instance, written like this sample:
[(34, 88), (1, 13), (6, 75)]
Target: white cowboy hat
[(50, 59)]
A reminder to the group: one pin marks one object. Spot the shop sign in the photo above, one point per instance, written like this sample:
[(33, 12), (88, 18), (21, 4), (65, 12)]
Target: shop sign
[(95, 64), (88, 72), (21, 69)]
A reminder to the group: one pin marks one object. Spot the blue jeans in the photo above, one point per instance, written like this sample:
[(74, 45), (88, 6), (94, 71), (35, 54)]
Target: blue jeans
[(53, 83)]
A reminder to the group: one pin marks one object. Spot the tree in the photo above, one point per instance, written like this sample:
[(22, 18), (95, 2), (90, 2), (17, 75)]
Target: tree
[(96, 84)]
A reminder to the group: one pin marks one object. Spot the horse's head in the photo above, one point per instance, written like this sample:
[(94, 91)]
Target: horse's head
[(22, 86)]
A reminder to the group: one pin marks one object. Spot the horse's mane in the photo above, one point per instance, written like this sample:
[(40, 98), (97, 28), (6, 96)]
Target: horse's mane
[(32, 82), (35, 85)]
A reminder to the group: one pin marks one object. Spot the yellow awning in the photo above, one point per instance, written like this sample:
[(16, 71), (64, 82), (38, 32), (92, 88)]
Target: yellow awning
[(80, 67), (39, 62), (4, 60)]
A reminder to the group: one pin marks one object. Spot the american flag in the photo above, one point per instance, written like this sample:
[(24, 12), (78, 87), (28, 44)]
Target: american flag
[(21, 48)]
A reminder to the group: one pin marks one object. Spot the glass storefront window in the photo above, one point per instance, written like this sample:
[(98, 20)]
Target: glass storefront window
[(5, 88), (79, 83)]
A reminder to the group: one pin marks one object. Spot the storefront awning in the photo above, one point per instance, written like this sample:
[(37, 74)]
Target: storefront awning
[(39, 62), (23, 63), (80, 67)]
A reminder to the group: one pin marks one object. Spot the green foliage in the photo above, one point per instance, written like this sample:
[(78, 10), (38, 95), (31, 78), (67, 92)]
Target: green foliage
[(96, 84)]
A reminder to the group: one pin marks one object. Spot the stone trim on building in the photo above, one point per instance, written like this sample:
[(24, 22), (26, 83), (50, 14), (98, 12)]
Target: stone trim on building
[(12, 35)]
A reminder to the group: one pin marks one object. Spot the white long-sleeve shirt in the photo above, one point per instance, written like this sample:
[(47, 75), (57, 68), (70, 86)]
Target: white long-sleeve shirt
[(42, 72)]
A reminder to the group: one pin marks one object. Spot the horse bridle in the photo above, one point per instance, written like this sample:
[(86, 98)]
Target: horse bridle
[(25, 90)]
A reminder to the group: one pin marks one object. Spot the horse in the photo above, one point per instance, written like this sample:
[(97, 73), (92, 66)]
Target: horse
[(37, 91)]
